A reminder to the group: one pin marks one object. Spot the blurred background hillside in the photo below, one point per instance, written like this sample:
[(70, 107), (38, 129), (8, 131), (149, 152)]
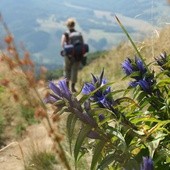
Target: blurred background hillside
[(39, 24)]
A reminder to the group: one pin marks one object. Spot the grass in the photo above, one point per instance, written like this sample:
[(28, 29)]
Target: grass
[(41, 160), (1, 128)]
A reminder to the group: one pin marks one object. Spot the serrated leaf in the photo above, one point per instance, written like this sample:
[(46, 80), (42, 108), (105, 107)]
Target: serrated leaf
[(71, 122), (97, 153), (81, 137)]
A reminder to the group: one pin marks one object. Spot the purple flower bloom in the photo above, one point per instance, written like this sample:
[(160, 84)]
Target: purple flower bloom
[(162, 59), (144, 85), (60, 90), (102, 94), (133, 83), (130, 66), (127, 67), (147, 164), (136, 70), (88, 88), (140, 65)]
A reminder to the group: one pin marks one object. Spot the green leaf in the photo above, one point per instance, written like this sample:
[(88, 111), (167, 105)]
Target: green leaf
[(106, 161), (164, 82), (97, 153), (62, 110), (158, 126), (71, 122), (116, 133), (145, 119), (126, 99), (130, 39), (81, 137), (152, 146), (132, 164)]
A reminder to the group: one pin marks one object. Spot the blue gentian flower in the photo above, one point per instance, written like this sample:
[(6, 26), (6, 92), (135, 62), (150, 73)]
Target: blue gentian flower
[(101, 96), (60, 90), (144, 85), (88, 88), (136, 70), (140, 65), (133, 83), (147, 164), (162, 59), (127, 66)]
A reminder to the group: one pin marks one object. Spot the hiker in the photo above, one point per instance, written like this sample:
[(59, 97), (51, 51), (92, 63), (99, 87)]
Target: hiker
[(71, 38)]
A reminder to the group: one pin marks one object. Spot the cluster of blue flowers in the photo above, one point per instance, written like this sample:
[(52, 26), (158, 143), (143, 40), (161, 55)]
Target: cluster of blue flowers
[(100, 94), (61, 93), (163, 60), (137, 70)]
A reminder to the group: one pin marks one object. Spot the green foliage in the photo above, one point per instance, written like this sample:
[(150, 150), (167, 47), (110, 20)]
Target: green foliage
[(1, 124), (95, 55), (20, 128), (2, 127), (123, 129), (28, 114), (41, 161), (54, 74), (1, 89)]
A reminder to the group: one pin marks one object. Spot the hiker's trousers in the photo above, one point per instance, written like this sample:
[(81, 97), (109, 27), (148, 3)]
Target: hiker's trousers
[(71, 68)]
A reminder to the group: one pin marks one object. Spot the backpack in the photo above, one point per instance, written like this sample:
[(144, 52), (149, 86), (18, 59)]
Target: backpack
[(75, 46), (75, 38)]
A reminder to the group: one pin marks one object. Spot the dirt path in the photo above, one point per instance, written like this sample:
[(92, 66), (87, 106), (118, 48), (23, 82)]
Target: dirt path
[(11, 156)]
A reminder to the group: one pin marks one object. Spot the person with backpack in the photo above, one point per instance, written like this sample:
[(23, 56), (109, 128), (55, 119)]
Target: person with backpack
[(72, 44)]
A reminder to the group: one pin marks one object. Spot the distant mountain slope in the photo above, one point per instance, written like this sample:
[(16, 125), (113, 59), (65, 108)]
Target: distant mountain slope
[(40, 24), (111, 61)]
